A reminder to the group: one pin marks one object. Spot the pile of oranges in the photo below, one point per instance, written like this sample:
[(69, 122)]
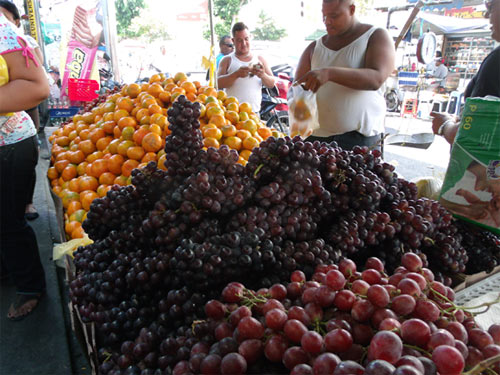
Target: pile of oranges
[(101, 147)]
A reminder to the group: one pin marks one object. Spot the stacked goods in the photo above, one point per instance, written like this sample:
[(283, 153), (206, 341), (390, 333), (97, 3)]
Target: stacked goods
[(175, 238), (126, 130)]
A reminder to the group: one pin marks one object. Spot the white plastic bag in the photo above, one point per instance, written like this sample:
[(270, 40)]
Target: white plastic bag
[(302, 111)]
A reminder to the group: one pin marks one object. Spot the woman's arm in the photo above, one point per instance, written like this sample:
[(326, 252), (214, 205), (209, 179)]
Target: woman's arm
[(27, 86)]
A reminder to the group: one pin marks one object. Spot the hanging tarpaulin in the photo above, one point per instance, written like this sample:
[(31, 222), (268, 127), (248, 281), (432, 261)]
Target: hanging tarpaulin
[(213, 72), (448, 25)]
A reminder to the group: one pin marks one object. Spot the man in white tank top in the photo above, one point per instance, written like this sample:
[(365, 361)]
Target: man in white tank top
[(347, 68), (241, 73)]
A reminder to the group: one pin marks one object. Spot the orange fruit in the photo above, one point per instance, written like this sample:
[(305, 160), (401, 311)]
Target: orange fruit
[(76, 157), (115, 163), (102, 190), (154, 128), (180, 77), (62, 141), (243, 134), (128, 166), (218, 120), (69, 196), (250, 125), (125, 103), (232, 116), (88, 183), (139, 134), (233, 142), (106, 178), (78, 232), (189, 87), (211, 142), (108, 127), (60, 165), (133, 90), (151, 142), (135, 152), (127, 121), (118, 114), (250, 143), (123, 146), (96, 134), (264, 132), (228, 130), (87, 147), (98, 168), (87, 199), (120, 180), (161, 162), (212, 133), (94, 156), (155, 89), (165, 96), (244, 116), (74, 184), (149, 156), (80, 169), (245, 154), (73, 206), (102, 143), (113, 146), (128, 133), (69, 172), (70, 226), (246, 107), (77, 215), (52, 173)]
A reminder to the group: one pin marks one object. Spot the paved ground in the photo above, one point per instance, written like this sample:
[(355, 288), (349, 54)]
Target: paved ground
[(412, 162), (42, 343)]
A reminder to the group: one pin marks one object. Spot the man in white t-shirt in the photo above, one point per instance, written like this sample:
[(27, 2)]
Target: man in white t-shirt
[(241, 73)]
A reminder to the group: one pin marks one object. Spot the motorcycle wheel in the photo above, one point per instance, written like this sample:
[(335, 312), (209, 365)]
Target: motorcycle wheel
[(279, 121), (392, 101)]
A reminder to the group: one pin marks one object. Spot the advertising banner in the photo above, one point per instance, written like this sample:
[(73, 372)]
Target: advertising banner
[(84, 39)]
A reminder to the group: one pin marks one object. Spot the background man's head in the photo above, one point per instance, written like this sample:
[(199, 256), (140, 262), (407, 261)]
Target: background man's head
[(493, 12), (439, 61), (10, 11), (338, 16), (226, 45), (241, 38)]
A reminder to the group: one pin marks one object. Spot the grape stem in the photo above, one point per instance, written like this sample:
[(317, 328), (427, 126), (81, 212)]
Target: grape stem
[(423, 351), (454, 307), (483, 365), (258, 170)]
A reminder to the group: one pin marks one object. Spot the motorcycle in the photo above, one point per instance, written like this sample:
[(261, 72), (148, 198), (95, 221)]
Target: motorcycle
[(274, 105)]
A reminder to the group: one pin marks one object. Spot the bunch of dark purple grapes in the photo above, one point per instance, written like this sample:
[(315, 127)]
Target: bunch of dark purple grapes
[(185, 140), (122, 210), (482, 246)]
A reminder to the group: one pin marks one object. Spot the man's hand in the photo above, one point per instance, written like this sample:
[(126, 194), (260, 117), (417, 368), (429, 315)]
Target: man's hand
[(438, 118), (314, 79), (242, 72), (258, 70)]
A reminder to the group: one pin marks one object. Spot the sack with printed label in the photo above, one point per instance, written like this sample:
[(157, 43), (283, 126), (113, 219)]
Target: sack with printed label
[(471, 188)]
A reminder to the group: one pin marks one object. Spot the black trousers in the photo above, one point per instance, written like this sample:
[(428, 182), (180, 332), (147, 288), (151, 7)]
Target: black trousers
[(348, 140), (18, 245)]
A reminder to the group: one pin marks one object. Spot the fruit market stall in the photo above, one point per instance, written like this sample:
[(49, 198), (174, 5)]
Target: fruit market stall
[(221, 246)]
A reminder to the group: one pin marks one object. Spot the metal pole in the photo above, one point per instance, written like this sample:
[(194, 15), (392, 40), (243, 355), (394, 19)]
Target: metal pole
[(109, 25), (212, 37)]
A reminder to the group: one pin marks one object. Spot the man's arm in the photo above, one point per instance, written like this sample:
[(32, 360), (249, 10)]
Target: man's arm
[(225, 80), (27, 86), (265, 74), (379, 63), (304, 65)]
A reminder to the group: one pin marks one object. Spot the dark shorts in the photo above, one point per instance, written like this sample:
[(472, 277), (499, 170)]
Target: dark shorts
[(348, 140)]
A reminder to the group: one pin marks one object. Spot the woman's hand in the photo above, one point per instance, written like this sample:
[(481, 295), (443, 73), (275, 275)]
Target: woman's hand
[(314, 79), (449, 132)]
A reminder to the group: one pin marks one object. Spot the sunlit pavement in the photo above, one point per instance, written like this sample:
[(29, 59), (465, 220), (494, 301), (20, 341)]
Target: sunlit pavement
[(412, 162)]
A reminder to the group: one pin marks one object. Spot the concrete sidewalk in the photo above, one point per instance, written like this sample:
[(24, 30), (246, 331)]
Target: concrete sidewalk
[(42, 343)]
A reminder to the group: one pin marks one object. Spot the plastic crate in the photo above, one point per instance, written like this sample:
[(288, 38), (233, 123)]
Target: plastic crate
[(487, 285), (83, 90)]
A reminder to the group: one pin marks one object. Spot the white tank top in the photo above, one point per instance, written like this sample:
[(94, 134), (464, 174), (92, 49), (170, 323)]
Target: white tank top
[(340, 108), (248, 89)]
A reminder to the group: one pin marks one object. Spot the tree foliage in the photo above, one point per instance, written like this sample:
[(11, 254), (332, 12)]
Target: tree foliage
[(266, 29), (226, 12), (126, 11)]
